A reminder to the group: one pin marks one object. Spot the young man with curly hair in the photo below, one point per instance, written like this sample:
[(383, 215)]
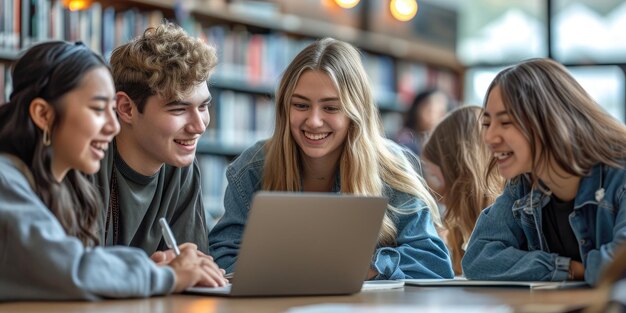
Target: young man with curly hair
[(151, 171)]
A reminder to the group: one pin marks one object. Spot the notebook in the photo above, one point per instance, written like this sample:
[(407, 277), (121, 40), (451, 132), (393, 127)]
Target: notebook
[(463, 282), (305, 244), (401, 308)]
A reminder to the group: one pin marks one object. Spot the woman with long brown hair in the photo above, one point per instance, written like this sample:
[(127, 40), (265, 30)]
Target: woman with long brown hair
[(454, 164), (563, 211), (59, 121)]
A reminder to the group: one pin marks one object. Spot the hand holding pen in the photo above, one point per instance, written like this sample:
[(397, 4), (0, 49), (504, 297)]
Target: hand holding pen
[(191, 267), (168, 236), (164, 257)]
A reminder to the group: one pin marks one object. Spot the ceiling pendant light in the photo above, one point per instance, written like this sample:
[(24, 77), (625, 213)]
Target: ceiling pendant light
[(347, 4), (403, 10)]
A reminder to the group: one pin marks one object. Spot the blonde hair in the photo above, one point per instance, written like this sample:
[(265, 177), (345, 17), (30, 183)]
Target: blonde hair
[(367, 162), (164, 61), (559, 118), (456, 146)]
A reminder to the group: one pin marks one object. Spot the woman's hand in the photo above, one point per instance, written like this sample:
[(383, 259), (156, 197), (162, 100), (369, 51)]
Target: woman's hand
[(371, 273), (576, 270)]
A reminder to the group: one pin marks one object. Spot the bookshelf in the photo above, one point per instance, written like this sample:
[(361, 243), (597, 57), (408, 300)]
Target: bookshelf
[(254, 47)]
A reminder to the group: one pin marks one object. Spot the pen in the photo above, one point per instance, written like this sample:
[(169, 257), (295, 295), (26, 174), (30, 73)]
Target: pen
[(170, 241)]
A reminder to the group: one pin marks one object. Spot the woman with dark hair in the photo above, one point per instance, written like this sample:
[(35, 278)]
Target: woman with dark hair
[(562, 213), (59, 121), (427, 109)]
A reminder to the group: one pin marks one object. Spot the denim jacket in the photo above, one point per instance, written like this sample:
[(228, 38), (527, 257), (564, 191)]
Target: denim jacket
[(508, 242), (419, 253)]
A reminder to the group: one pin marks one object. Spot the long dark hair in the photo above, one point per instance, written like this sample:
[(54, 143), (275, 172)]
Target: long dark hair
[(559, 118), (49, 71)]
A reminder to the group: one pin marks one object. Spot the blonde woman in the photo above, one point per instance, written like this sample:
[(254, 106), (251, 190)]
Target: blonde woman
[(328, 138), (454, 162)]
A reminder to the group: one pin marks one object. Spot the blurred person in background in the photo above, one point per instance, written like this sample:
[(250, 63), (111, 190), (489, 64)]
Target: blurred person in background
[(454, 163), (427, 109)]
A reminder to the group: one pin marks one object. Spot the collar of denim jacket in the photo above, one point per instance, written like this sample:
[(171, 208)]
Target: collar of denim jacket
[(592, 187)]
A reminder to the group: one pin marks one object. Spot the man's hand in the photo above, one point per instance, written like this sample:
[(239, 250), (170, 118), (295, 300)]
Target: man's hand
[(191, 269), (165, 257)]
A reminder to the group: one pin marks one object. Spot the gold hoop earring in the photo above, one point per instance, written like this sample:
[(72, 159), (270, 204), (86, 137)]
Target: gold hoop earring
[(46, 138)]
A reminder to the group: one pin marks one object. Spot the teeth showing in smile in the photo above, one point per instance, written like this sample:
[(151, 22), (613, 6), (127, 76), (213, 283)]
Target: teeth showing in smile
[(316, 136), (502, 155), (186, 142), (100, 145)]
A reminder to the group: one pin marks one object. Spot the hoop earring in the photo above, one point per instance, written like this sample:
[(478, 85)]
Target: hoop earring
[(46, 138)]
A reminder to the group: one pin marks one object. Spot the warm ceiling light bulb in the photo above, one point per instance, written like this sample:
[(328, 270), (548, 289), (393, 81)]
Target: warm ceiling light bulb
[(403, 10), (347, 4), (76, 5)]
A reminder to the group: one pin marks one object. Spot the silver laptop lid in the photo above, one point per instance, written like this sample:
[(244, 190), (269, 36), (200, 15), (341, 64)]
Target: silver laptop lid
[(307, 244)]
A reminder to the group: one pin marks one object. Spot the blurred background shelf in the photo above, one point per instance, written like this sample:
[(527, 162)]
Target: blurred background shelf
[(255, 41), (241, 85), (8, 55)]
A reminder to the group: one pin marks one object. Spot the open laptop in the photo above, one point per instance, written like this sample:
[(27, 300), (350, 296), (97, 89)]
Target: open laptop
[(305, 244)]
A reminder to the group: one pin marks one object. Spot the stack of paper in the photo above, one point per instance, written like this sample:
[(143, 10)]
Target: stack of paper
[(386, 308), (463, 282)]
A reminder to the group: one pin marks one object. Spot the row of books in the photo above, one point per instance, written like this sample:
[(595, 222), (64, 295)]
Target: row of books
[(24, 22), (10, 24), (213, 172), (5, 83), (239, 119), (253, 58), (261, 58)]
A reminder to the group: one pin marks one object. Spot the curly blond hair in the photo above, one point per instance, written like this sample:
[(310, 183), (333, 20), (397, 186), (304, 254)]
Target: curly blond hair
[(164, 61)]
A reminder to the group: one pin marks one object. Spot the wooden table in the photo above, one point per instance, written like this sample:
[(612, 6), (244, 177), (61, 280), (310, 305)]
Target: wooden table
[(521, 300)]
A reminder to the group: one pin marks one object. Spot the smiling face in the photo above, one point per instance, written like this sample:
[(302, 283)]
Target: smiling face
[(87, 126), (167, 131), (317, 123), (508, 144)]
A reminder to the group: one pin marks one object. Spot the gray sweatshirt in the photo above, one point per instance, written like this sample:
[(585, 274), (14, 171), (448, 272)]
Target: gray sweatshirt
[(38, 261), (173, 193)]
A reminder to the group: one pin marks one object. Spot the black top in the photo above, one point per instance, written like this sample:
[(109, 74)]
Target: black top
[(557, 229)]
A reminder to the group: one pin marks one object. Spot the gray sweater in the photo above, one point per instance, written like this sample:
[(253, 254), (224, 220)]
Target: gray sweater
[(174, 193), (38, 261)]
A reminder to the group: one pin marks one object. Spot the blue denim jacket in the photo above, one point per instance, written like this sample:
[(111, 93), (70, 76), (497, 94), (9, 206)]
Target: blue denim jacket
[(419, 253), (508, 242)]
